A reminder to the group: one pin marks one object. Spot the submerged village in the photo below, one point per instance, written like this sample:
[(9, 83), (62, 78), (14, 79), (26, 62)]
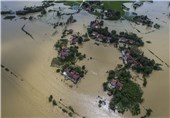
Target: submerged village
[(124, 92)]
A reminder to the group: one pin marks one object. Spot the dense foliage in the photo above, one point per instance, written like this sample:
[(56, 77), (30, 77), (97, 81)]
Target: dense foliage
[(129, 97), (132, 36), (147, 65)]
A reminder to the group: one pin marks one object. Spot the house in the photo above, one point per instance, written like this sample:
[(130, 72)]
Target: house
[(114, 84), (123, 40), (99, 37), (74, 39), (128, 59), (64, 53), (119, 85), (124, 56), (95, 24), (72, 75), (94, 34)]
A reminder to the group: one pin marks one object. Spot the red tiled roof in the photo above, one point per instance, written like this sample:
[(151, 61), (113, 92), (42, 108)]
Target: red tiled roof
[(64, 52), (74, 75), (116, 83), (120, 85), (113, 81)]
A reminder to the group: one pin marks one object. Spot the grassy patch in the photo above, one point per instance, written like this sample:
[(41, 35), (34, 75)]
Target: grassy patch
[(71, 3), (114, 5)]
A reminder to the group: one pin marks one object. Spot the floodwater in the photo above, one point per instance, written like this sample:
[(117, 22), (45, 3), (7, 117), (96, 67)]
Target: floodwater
[(26, 95)]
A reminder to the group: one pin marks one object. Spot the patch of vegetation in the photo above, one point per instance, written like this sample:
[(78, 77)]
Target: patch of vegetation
[(59, 44), (9, 17), (86, 39), (132, 36), (58, 70), (71, 108), (127, 98), (2, 66), (54, 103), (6, 69), (64, 110), (83, 67), (146, 65), (114, 5), (148, 113), (105, 86), (70, 114), (72, 56), (80, 40), (148, 41), (71, 3), (112, 37), (50, 98), (144, 82)]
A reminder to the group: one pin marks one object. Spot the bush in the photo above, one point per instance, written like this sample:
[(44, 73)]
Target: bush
[(6, 69), (129, 97), (99, 105), (113, 32), (64, 110), (84, 55), (80, 40), (89, 30), (147, 70), (148, 112), (104, 86), (144, 82), (58, 45), (111, 75), (71, 108), (70, 114), (81, 57), (101, 23), (43, 12), (50, 98), (54, 103), (86, 39), (83, 67), (58, 70)]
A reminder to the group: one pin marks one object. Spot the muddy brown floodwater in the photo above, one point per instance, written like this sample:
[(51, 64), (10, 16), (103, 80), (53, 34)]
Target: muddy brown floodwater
[(26, 94)]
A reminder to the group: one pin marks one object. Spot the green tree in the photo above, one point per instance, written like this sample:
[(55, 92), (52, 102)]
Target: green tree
[(144, 82), (113, 32), (83, 67), (80, 40)]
